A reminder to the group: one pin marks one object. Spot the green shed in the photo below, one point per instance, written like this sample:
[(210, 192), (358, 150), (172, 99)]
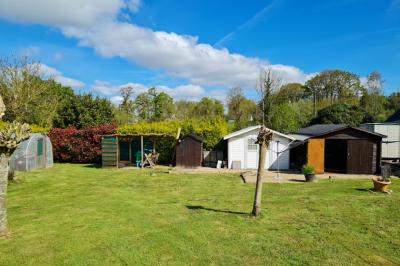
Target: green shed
[(127, 150)]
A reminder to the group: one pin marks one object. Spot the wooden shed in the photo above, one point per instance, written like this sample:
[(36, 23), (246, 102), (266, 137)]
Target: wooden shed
[(338, 148), (189, 151)]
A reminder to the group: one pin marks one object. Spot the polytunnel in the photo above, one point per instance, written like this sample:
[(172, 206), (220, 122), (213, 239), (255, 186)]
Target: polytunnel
[(33, 153)]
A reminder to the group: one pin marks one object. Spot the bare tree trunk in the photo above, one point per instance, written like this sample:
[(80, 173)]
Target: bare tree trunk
[(260, 175), (3, 192)]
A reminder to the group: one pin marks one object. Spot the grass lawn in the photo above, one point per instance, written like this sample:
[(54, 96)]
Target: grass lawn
[(78, 215)]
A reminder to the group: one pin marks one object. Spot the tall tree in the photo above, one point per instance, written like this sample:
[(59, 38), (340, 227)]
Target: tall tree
[(240, 109), (372, 100), (290, 93), (268, 83), (85, 111), (334, 85), (27, 96), (154, 106), (184, 109), (209, 108)]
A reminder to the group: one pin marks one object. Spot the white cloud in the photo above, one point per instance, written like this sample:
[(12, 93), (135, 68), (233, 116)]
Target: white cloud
[(182, 92), (95, 24), (50, 72)]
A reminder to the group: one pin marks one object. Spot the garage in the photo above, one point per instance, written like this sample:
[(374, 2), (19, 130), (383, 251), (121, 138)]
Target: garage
[(338, 149)]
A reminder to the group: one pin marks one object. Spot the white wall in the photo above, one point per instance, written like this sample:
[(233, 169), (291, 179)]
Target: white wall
[(237, 151), (390, 144)]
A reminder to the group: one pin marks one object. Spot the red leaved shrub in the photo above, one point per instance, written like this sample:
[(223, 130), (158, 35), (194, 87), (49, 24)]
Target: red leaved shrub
[(79, 145)]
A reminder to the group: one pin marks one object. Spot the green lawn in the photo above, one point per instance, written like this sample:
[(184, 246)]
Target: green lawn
[(78, 215)]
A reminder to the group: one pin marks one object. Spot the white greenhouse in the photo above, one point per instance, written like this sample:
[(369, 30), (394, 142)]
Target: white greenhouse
[(33, 153)]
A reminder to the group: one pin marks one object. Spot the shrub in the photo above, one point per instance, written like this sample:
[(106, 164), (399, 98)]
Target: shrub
[(79, 146), (308, 169)]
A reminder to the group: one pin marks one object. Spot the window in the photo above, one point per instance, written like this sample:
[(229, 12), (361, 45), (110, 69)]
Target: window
[(251, 145)]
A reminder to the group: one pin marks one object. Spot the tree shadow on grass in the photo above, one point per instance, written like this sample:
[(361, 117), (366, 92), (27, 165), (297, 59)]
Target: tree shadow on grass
[(199, 207), (94, 165), (297, 180)]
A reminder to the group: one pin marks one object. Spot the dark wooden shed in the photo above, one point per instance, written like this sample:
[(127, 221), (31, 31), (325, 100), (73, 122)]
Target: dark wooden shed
[(189, 151), (338, 148)]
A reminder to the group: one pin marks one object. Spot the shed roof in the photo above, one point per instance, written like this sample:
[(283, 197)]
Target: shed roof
[(394, 118), (248, 129), (322, 129), (193, 136)]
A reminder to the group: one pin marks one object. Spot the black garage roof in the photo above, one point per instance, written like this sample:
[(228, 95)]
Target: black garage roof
[(322, 129)]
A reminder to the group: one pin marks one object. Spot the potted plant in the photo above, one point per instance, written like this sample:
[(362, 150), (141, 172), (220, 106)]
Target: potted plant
[(381, 183), (309, 173)]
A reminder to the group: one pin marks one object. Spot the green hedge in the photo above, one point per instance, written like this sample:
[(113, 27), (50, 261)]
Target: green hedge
[(34, 128), (212, 132)]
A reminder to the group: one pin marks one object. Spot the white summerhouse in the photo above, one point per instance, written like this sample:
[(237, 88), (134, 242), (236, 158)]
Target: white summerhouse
[(243, 151)]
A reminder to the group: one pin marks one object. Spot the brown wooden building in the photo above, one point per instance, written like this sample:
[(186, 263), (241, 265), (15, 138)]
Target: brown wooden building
[(337, 148), (189, 151)]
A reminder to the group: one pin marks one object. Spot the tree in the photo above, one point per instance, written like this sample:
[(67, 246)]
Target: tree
[(154, 106), (10, 137), (184, 109), (240, 109), (284, 118), (268, 83), (163, 107), (343, 114), (209, 108), (28, 97), (127, 104), (393, 102), (334, 85), (290, 93), (372, 99), (82, 111), (263, 140)]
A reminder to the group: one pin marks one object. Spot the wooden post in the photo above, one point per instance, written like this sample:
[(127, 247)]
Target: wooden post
[(141, 149), (116, 138)]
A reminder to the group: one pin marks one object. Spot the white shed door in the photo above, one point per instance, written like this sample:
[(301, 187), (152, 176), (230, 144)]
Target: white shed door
[(251, 153)]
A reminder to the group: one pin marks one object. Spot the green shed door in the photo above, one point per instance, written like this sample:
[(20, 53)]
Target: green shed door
[(40, 147), (124, 150)]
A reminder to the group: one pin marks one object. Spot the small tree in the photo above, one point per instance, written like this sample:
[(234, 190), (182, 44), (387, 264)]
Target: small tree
[(10, 136), (263, 140)]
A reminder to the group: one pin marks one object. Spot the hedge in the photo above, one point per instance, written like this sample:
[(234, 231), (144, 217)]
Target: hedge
[(212, 132), (79, 146)]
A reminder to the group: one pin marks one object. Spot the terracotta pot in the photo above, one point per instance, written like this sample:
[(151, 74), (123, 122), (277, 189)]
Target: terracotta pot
[(310, 177), (381, 186)]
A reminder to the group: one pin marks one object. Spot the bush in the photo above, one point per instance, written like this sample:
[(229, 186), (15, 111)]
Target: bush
[(79, 146), (308, 169), (212, 131)]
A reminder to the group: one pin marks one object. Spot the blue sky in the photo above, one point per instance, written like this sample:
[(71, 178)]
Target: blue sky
[(193, 49)]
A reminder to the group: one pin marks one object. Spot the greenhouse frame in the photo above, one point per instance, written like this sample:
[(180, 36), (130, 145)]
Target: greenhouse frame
[(33, 153)]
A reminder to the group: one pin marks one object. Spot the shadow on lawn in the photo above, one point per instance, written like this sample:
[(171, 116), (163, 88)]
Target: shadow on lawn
[(95, 165), (297, 180), (198, 207)]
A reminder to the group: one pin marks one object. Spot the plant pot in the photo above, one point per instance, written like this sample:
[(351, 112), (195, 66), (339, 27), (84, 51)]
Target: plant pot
[(310, 177), (381, 186)]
